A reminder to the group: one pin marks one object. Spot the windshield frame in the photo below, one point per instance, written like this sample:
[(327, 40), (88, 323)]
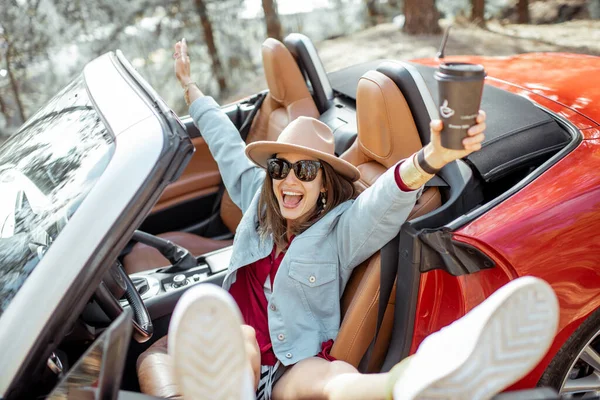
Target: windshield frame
[(152, 149)]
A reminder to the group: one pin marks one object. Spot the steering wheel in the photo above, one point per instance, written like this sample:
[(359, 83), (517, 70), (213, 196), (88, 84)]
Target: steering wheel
[(114, 284)]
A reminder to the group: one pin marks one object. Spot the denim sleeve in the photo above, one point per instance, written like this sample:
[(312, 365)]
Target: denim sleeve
[(242, 178), (374, 219)]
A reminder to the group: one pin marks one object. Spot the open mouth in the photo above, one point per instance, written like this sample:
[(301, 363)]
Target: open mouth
[(291, 199)]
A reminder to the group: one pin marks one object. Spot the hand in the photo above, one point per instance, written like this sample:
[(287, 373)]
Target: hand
[(182, 63), (438, 156)]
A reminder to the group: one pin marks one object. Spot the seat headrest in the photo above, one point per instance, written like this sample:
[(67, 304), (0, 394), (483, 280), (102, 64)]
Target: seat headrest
[(386, 129), (285, 81), (305, 54), (416, 92)]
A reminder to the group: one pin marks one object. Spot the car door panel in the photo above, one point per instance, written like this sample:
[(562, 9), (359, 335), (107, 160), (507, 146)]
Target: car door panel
[(201, 177), (190, 200)]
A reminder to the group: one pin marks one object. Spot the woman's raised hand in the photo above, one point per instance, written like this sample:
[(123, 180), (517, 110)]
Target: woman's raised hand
[(191, 91), (438, 156), (182, 63)]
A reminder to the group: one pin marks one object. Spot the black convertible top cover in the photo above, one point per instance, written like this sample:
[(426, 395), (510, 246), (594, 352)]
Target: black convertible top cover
[(518, 133)]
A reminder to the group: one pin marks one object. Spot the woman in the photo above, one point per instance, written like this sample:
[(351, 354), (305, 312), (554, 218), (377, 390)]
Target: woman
[(296, 245)]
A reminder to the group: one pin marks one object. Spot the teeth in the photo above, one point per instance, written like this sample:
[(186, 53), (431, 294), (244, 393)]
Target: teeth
[(292, 193)]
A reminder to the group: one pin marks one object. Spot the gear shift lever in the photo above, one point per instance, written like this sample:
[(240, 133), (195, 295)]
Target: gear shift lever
[(180, 258)]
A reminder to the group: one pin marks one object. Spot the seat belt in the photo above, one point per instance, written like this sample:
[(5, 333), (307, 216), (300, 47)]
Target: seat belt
[(389, 272), (407, 296), (257, 101), (436, 181)]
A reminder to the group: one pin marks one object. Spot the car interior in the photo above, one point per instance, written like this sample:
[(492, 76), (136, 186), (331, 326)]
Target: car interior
[(379, 113)]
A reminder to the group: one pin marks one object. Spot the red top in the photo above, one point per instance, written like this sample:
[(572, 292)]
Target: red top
[(248, 293)]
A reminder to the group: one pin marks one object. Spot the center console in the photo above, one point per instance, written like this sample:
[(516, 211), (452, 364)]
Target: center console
[(160, 288)]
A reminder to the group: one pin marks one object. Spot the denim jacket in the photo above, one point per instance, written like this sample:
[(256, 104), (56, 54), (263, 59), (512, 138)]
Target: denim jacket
[(304, 307)]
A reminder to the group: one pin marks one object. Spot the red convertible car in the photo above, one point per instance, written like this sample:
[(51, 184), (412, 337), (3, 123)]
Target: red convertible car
[(111, 202), (547, 226)]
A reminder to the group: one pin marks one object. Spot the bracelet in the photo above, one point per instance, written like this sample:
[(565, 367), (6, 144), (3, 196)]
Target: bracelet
[(419, 169), (425, 166), (187, 85), (186, 95), (412, 176)]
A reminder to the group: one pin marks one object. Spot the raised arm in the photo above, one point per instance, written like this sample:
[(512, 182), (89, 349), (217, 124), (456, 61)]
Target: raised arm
[(377, 214), (241, 177), (373, 219)]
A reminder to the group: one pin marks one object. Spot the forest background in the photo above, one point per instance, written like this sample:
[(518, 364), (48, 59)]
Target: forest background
[(45, 43)]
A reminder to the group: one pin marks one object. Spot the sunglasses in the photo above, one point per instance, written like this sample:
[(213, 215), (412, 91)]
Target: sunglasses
[(305, 170)]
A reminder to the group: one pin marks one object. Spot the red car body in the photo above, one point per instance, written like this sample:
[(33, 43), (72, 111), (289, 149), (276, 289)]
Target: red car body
[(548, 228)]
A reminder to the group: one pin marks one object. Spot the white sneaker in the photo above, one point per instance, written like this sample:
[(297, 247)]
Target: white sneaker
[(487, 350), (207, 346)]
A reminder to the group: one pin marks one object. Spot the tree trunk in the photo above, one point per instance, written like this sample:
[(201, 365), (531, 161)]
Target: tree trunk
[(2, 106), (421, 17), (3, 110), (478, 12), (272, 19), (14, 85), (372, 12), (523, 8), (207, 28)]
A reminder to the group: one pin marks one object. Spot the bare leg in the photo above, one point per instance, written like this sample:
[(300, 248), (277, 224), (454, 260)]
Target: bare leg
[(252, 351), (315, 378)]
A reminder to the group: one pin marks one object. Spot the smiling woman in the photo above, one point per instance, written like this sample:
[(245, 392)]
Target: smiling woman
[(46, 169), (300, 237)]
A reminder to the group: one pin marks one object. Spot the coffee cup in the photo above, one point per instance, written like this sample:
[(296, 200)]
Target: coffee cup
[(460, 86)]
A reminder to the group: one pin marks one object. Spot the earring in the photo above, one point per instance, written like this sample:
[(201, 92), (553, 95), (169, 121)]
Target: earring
[(323, 200)]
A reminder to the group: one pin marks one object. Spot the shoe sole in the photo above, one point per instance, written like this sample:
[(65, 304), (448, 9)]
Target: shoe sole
[(520, 327), (208, 347)]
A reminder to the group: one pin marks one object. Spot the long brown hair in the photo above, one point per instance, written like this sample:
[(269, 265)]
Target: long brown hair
[(270, 221)]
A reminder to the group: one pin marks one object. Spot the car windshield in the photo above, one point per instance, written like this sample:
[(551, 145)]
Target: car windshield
[(46, 170)]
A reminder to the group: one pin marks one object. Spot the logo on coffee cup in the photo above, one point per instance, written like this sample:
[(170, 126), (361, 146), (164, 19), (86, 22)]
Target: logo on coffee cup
[(446, 111)]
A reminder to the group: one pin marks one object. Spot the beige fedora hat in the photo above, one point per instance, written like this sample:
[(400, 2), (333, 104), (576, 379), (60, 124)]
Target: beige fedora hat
[(304, 135)]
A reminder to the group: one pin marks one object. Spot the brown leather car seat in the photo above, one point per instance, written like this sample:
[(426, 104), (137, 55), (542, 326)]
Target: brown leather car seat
[(288, 98), (386, 134)]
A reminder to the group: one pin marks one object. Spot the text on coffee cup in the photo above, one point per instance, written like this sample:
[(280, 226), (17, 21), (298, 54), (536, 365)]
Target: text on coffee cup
[(452, 126)]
